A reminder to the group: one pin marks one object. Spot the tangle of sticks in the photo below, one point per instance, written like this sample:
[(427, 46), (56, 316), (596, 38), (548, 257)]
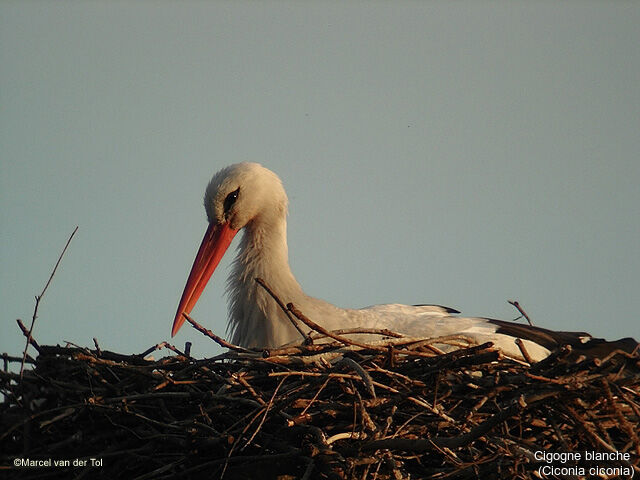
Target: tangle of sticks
[(327, 407), (319, 410)]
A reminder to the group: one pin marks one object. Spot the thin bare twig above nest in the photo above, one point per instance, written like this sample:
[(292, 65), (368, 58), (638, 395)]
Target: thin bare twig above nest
[(38, 298), (516, 304), (219, 340)]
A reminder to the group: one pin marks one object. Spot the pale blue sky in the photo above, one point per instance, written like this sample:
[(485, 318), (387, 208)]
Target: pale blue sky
[(461, 153)]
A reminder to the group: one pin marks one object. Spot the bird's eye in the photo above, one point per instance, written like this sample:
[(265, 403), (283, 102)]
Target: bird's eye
[(230, 200)]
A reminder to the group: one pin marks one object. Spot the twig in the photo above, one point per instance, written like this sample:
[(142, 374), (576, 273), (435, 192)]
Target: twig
[(300, 350), (590, 429), (266, 412), (263, 284), (485, 415), (308, 471), (243, 381), (469, 412), (624, 423), (219, 340), (95, 342), (311, 324), (314, 397), (38, 298), (366, 378), (25, 332), (421, 445), (346, 435), (552, 359), (159, 346), (521, 310), (361, 330), (523, 350), (152, 349)]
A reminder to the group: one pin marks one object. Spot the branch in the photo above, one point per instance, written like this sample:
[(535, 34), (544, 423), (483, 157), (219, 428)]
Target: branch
[(311, 324), (38, 298), (263, 284), (521, 310), (219, 340)]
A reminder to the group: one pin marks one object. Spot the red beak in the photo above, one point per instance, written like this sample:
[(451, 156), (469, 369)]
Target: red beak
[(215, 242)]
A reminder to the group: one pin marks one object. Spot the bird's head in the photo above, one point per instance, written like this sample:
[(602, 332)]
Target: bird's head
[(242, 193), (237, 196)]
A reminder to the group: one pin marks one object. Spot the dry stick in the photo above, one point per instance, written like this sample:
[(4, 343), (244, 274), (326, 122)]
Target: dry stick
[(299, 350), (523, 350), (250, 389), (521, 310), (346, 341), (561, 438), (309, 470), (413, 399), (635, 410), (311, 324), (597, 438), (421, 445), (38, 298), (160, 346), (314, 326), (266, 412), (6, 358), (237, 441), (219, 340), (25, 332), (626, 426), (175, 350), (152, 349), (409, 343), (317, 394), (95, 342), (366, 378), (361, 330), (389, 373), (33, 416), (553, 359), (263, 284)]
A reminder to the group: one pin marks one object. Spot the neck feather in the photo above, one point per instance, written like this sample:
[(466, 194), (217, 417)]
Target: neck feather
[(255, 319)]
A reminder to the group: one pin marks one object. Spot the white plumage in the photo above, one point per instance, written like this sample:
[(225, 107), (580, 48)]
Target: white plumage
[(250, 197)]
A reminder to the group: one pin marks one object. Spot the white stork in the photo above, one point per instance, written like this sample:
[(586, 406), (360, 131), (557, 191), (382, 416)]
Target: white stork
[(250, 197)]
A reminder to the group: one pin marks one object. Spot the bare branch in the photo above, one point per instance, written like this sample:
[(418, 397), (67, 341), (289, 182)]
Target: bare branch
[(521, 310), (263, 284), (219, 340), (39, 297)]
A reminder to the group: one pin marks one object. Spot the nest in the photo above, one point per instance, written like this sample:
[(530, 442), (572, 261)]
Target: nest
[(403, 410)]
